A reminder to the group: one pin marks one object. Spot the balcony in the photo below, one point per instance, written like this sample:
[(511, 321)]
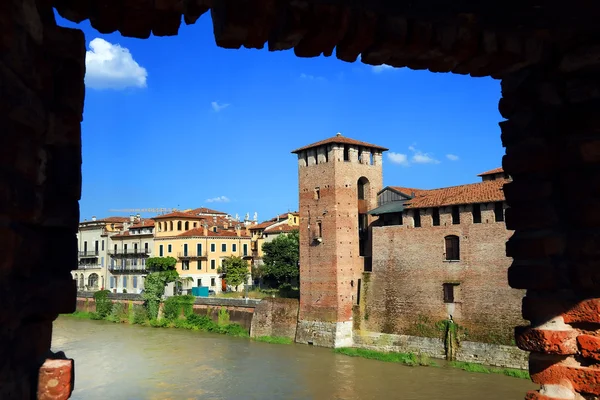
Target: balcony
[(88, 266), (88, 253), (129, 253), (128, 269), (192, 255)]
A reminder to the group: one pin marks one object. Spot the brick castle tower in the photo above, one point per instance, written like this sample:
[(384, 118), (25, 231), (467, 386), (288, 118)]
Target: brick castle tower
[(338, 183)]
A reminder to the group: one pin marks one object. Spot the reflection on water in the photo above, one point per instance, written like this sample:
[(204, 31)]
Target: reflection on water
[(115, 361)]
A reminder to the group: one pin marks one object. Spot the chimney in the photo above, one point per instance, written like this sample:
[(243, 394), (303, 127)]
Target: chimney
[(138, 217), (131, 218), (238, 231), (94, 218), (205, 229)]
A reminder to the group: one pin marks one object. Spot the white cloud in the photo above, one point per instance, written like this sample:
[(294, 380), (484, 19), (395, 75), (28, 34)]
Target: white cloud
[(423, 158), (398, 158), (418, 157), (220, 199), (452, 157), (218, 107), (311, 77), (380, 68), (110, 66)]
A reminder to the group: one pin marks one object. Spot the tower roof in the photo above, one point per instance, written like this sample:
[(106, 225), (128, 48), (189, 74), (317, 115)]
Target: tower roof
[(339, 139)]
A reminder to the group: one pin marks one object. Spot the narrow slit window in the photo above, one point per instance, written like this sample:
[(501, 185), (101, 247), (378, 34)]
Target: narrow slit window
[(319, 229), (417, 218), (435, 217), (346, 153), (317, 193), (499, 211), (476, 213), (455, 215)]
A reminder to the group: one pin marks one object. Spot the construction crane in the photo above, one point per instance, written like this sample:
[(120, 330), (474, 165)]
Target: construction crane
[(160, 210)]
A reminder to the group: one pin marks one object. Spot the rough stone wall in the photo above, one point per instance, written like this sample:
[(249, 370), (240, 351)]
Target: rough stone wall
[(405, 292), (553, 153), (329, 270), (275, 317), (492, 354), (237, 315), (41, 100)]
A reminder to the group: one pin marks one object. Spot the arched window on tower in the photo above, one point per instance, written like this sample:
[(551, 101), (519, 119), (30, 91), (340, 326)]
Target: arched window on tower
[(452, 248), (346, 153), (170, 225), (187, 225), (178, 225)]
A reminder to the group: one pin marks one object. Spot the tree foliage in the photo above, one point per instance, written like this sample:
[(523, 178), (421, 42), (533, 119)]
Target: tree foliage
[(162, 271), (103, 304), (235, 271), (281, 259)]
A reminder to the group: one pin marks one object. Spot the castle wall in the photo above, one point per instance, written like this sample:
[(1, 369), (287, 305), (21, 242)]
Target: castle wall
[(405, 294)]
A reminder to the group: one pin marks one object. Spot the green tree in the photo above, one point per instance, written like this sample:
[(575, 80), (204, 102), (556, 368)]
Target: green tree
[(235, 271), (162, 271), (281, 259)]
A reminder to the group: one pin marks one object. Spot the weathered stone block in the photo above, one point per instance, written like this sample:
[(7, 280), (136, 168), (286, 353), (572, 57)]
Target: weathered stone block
[(557, 372)]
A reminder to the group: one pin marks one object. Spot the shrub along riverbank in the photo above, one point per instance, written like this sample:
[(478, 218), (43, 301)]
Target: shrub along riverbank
[(412, 359)]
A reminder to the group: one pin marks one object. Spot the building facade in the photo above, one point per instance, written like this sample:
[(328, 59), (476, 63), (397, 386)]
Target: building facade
[(200, 240), (338, 183), (267, 231), (128, 252), (93, 241)]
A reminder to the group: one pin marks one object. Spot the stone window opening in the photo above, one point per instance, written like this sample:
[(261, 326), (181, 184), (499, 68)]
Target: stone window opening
[(187, 226), (452, 248), (160, 250), (306, 158), (170, 225), (317, 193), (362, 188), (346, 153), (417, 218), (455, 215), (214, 229), (450, 292), (212, 282), (435, 217), (499, 211), (185, 265), (169, 248), (223, 247), (476, 213), (178, 225), (319, 229)]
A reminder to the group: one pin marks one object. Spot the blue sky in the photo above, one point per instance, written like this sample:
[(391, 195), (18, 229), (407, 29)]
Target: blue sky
[(178, 122)]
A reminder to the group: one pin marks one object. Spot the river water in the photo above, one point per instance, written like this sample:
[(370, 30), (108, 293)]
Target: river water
[(116, 362)]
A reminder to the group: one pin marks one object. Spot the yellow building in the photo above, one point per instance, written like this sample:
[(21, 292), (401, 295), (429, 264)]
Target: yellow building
[(200, 240), (269, 230)]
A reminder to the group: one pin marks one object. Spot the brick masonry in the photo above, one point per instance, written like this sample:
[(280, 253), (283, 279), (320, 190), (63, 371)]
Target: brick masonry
[(329, 271), (405, 293), (275, 317)]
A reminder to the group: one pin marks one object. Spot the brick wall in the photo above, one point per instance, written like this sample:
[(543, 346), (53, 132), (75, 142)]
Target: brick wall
[(405, 292), (275, 317)]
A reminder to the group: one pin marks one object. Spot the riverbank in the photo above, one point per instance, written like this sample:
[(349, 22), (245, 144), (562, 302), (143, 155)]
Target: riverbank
[(412, 359), (201, 323)]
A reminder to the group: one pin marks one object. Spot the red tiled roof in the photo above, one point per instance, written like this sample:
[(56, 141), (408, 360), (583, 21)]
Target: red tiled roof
[(482, 192), (262, 225), (109, 220), (176, 214), (121, 235), (492, 171), (204, 210), (145, 223), (283, 228), (219, 233), (341, 140)]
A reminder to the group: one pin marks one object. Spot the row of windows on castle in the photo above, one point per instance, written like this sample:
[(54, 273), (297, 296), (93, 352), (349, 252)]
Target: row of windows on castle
[(213, 249), (397, 218), (365, 156)]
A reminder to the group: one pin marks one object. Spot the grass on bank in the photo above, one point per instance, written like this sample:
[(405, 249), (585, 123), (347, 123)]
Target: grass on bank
[(293, 293), (471, 367), (402, 358), (273, 339), (412, 359), (137, 315)]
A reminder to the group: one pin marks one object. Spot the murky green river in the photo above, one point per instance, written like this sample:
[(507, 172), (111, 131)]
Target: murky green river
[(131, 362)]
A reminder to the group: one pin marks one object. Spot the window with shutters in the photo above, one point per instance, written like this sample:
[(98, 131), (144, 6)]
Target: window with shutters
[(452, 248), (449, 292)]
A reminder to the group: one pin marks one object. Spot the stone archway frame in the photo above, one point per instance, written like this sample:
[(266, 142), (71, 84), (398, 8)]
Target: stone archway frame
[(545, 54)]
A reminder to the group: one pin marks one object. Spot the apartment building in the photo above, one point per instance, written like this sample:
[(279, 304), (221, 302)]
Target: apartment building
[(128, 252), (200, 239), (268, 230)]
